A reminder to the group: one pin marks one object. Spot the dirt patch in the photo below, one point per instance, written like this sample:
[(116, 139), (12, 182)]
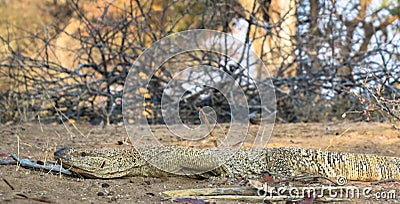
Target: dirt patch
[(38, 142)]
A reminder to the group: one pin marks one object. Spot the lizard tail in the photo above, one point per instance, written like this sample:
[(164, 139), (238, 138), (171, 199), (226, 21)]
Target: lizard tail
[(356, 167)]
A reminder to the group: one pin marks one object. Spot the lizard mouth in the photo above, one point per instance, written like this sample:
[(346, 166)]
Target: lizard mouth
[(63, 158)]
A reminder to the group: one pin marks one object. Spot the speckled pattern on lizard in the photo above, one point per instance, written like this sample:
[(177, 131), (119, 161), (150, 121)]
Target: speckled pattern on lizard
[(118, 163)]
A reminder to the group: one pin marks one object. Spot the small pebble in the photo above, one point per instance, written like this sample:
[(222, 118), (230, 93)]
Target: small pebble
[(105, 185), (150, 194), (100, 193)]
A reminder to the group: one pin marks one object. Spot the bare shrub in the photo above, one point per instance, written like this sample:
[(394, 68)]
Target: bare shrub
[(76, 67)]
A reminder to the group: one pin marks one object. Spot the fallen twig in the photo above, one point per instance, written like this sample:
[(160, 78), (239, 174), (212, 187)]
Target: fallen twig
[(7, 162), (8, 183), (259, 198), (29, 164), (243, 194)]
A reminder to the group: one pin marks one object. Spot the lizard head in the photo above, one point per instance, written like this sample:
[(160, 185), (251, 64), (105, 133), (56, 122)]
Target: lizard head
[(99, 163)]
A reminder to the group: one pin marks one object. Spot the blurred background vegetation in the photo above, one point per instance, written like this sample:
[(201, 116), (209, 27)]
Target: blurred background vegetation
[(329, 60)]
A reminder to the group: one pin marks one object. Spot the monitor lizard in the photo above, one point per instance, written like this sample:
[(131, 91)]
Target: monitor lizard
[(177, 160)]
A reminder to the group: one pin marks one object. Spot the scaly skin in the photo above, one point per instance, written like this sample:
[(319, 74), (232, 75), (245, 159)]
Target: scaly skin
[(245, 163)]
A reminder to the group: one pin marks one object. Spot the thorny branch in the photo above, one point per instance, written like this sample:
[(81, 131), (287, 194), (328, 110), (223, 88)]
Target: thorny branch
[(80, 68)]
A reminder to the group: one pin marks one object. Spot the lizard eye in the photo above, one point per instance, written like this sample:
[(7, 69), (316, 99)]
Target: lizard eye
[(83, 154)]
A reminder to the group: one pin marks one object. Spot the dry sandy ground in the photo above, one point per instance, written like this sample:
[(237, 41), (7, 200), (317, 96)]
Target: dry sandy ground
[(38, 142)]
